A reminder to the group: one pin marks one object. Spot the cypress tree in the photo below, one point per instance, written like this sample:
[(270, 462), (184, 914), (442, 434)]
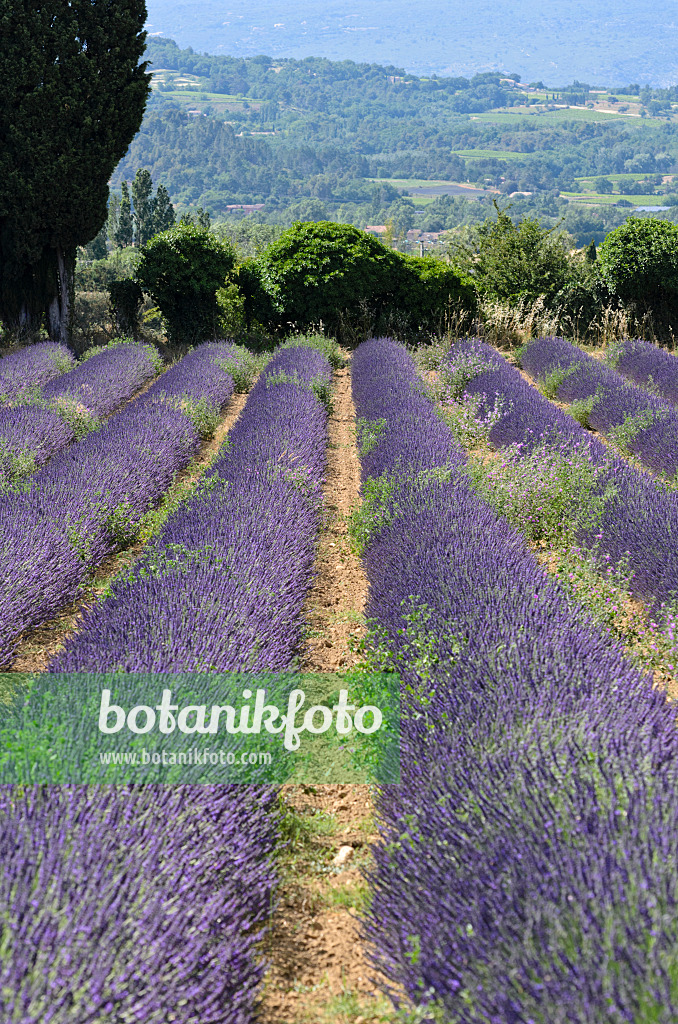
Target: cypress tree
[(164, 217), (124, 228), (74, 92), (142, 191)]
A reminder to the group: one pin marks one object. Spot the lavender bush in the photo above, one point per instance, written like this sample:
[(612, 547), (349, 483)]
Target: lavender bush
[(28, 438), (89, 500), (30, 367), (234, 561), (640, 423), (200, 385), (639, 520), (141, 903), (516, 879), (150, 901), (648, 365), (103, 380)]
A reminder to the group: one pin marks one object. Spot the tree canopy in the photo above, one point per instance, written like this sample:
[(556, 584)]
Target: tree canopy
[(182, 269), (639, 262), (74, 93)]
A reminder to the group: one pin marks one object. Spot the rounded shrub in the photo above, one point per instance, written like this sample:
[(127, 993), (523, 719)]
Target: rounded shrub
[(182, 269)]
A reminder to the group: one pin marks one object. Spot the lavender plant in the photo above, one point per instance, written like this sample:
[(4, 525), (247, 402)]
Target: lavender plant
[(149, 902), (93, 495), (233, 562), (646, 424), (647, 365), (31, 367), (516, 878)]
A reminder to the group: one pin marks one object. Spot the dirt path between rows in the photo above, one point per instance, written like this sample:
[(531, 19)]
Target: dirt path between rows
[(40, 644), (319, 973)]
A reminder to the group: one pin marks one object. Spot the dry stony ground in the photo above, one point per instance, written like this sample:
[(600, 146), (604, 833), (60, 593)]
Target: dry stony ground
[(319, 972)]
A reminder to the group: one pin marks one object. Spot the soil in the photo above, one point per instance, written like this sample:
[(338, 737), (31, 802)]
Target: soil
[(42, 643), (319, 971)]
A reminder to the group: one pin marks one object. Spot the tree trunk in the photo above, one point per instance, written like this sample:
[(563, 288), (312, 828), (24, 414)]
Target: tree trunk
[(24, 327), (59, 311)]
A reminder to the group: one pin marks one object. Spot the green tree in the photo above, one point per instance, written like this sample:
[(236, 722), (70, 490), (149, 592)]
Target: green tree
[(426, 291), (182, 269), (163, 211), (142, 198), (515, 261), (123, 234), (96, 248), (604, 186), (113, 213), (327, 272), (74, 92), (639, 262), (401, 216)]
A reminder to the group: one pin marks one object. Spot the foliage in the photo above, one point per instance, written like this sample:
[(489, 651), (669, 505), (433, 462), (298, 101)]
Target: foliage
[(316, 273), (639, 262), (148, 216), (123, 232), (258, 310), (516, 261), (142, 198), (327, 346), (74, 94), (547, 493), (126, 297), (428, 291), (182, 269), (348, 281), (96, 276), (231, 310)]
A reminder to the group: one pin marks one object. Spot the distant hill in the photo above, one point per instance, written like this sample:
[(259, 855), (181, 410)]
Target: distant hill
[(594, 41)]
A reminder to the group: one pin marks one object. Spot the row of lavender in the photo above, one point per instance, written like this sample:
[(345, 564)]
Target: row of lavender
[(642, 423), (31, 367), (235, 560), (648, 365), (43, 421), (527, 866), (637, 522), (92, 495), (168, 889)]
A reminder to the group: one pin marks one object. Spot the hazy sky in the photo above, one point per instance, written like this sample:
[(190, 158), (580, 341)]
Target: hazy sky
[(596, 41)]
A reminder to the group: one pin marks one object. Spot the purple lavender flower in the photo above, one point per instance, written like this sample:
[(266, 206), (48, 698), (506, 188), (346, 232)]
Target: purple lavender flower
[(30, 367), (526, 870)]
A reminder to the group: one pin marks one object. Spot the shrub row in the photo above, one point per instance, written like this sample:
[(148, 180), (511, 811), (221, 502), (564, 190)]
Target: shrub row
[(32, 366)]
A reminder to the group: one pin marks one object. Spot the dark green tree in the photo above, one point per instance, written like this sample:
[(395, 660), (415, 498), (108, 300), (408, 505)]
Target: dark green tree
[(113, 214), (604, 186), (74, 92), (327, 272), (426, 292), (124, 230), (182, 269), (639, 262), (142, 199), (163, 211), (96, 249)]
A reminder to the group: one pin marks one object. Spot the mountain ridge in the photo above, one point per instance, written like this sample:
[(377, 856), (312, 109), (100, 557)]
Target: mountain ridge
[(578, 39)]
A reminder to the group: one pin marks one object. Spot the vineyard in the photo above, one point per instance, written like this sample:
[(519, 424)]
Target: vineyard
[(496, 532)]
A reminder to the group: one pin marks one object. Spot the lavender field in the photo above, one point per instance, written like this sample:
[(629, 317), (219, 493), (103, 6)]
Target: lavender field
[(516, 530)]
